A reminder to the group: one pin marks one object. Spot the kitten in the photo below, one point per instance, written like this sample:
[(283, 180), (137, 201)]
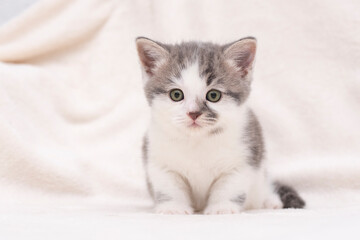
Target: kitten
[(204, 150)]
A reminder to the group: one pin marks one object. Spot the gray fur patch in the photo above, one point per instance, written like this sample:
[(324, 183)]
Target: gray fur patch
[(236, 96), (145, 150), (161, 197), (240, 199), (155, 88), (254, 140), (216, 131), (209, 113)]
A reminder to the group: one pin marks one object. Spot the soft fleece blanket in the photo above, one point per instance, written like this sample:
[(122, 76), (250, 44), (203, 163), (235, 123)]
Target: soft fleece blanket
[(72, 115)]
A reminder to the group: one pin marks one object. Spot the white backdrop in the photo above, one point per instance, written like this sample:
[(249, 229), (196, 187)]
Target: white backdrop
[(72, 113)]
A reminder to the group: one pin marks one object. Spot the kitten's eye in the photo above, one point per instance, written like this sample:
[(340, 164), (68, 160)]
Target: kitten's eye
[(213, 95), (176, 95)]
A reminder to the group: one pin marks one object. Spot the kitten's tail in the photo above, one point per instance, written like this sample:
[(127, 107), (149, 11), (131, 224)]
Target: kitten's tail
[(288, 196)]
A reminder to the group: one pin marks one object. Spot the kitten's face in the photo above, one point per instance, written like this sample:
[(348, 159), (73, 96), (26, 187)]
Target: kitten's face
[(196, 87)]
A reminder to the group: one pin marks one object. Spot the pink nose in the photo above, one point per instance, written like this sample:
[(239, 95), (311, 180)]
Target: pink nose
[(194, 115)]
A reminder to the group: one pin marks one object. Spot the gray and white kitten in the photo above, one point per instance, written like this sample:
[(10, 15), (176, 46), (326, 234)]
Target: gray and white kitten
[(204, 150)]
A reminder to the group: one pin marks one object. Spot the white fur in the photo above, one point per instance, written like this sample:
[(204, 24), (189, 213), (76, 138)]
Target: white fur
[(215, 166)]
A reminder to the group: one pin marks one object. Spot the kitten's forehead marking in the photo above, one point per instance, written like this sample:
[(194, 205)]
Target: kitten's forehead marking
[(192, 80), (193, 86)]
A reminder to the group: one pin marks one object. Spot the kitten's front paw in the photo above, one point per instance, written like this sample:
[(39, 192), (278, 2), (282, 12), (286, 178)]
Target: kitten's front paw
[(172, 208), (222, 208), (273, 202)]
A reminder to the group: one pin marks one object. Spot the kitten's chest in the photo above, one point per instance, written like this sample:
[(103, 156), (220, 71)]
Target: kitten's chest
[(200, 160), (205, 155)]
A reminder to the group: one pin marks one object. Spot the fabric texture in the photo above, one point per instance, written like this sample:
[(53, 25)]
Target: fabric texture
[(73, 113)]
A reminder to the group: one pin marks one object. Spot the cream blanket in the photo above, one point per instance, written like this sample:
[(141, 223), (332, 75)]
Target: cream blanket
[(72, 115)]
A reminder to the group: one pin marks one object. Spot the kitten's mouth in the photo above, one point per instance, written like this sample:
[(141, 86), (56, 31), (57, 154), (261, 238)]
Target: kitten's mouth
[(194, 125)]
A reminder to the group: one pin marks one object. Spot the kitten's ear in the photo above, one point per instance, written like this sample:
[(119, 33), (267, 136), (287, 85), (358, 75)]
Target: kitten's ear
[(151, 54), (241, 54)]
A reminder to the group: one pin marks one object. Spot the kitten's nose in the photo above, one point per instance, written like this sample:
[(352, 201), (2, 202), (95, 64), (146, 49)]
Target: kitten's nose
[(194, 115)]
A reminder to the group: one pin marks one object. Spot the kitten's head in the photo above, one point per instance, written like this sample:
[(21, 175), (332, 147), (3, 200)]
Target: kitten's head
[(195, 86)]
